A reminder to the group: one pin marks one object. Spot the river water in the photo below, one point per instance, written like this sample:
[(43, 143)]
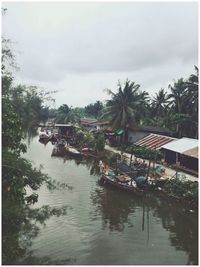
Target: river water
[(105, 225)]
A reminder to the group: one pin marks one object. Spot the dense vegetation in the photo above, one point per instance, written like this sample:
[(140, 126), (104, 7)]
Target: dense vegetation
[(175, 109), (20, 106)]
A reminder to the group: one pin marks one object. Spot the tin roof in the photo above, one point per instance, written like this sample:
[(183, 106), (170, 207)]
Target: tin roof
[(64, 125), (194, 152), (87, 120), (154, 141), (182, 145)]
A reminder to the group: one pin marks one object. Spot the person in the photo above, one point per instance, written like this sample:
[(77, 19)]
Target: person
[(101, 166), (106, 169)]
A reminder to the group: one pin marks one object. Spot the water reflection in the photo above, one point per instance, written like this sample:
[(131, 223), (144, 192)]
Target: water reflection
[(119, 209), (30, 133), (21, 225), (106, 225), (114, 208)]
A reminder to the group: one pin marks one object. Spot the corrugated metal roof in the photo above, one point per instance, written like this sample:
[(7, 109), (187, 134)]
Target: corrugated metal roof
[(194, 152), (64, 125), (154, 141), (182, 145)]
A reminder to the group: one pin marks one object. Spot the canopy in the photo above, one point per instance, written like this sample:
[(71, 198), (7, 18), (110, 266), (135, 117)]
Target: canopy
[(140, 180)]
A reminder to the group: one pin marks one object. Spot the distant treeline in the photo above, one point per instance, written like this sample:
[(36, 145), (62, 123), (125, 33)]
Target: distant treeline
[(175, 109)]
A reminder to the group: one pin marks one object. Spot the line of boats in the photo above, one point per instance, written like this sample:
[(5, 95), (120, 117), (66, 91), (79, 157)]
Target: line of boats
[(123, 177), (62, 145)]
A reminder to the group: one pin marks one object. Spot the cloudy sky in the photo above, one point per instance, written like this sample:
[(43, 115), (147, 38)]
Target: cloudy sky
[(81, 48)]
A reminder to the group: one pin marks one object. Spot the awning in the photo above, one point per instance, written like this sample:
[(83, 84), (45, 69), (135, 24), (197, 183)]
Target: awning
[(119, 131)]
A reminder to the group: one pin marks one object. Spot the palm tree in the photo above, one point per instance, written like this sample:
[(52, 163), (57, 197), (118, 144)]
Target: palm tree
[(143, 108), (192, 97), (179, 105), (160, 103), (62, 113), (122, 107)]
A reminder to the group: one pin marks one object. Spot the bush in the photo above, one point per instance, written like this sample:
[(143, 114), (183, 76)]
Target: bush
[(183, 189), (144, 153)]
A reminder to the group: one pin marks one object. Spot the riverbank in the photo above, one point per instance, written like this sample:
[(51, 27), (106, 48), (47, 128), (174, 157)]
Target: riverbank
[(169, 173), (106, 226)]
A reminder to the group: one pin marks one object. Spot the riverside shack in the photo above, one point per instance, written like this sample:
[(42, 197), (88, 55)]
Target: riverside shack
[(182, 153)]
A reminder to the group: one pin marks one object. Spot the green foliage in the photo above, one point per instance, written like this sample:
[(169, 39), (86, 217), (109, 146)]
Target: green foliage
[(20, 106), (65, 114), (20, 225), (74, 115), (160, 103), (144, 153), (99, 142), (183, 189), (178, 110), (122, 105), (112, 159), (61, 113), (94, 110)]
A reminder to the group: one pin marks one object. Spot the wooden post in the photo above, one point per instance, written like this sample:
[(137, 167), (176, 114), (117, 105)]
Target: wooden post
[(148, 171), (154, 158), (131, 159), (176, 165)]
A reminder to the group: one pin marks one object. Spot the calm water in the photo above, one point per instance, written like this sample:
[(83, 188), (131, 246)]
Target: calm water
[(105, 225)]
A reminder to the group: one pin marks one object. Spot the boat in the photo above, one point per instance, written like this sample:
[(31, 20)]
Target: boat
[(59, 149), (43, 136), (72, 151), (125, 182)]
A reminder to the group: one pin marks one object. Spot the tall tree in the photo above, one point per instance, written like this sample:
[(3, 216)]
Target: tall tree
[(18, 174), (159, 103), (122, 107), (94, 110), (177, 99), (62, 113), (192, 99)]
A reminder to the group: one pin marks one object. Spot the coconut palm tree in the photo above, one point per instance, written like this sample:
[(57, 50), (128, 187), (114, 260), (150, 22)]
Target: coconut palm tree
[(179, 105), (62, 113), (160, 103), (192, 98), (122, 107)]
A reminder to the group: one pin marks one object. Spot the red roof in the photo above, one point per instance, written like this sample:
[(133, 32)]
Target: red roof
[(154, 141)]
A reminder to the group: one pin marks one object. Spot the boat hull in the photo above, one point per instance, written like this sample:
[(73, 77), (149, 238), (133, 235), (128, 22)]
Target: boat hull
[(122, 186)]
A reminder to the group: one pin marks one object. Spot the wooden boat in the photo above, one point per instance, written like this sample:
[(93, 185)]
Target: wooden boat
[(72, 151), (43, 136), (121, 181), (125, 182)]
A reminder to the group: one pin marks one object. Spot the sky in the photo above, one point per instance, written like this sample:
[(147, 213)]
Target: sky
[(82, 48)]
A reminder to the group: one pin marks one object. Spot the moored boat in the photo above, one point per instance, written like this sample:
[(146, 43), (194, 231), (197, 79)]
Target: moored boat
[(43, 136), (126, 182), (72, 151), (127, 186)]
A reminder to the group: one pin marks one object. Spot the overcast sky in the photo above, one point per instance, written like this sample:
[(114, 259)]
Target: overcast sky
[(81, 48)]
